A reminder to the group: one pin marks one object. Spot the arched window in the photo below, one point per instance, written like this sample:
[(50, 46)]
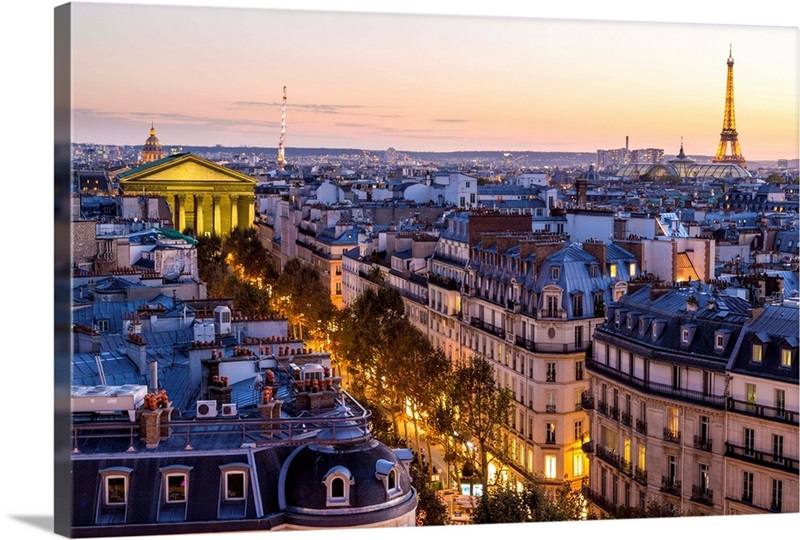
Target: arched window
[(338, 482), (386, 472)]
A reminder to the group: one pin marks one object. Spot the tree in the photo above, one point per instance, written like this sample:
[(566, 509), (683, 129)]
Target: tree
[(431, 510), (654, 508), (301, 297), (482, 411), (536, 501)]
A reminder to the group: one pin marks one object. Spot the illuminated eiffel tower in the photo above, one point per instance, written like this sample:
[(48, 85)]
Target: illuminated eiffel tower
[(729, 135)]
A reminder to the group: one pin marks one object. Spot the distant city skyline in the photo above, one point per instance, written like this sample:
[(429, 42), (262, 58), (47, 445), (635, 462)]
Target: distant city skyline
[(206, 76)]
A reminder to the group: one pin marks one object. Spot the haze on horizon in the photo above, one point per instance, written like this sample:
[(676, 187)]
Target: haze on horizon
[(206, 76)]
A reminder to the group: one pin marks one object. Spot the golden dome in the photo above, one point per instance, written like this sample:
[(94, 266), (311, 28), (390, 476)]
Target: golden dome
[(152, 147)]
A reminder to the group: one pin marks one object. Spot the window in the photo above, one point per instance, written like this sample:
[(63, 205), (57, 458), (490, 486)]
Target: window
[(614, 489), (705, 480), (603, 482), (551, 402), (719, 342), (551, 372), (579, 430), (632, 269), (758, 352), (642, 456), (685, 336), (338, 481), (674, 421), (613, 271), (777, 448), (627, 491), (593, 271), (577, 305), (235, 483), (750, 394), (672, 469), (103, 325), (749, 441), (385, 471), (747, 487), (705, 429), (579, 370), (550, 467), (579, 337), (777, 495), (786, 358), (577, 465), (707, 383), (175, 480), (551, 433), (116, 491), (626, 450), (780, 402), (555, 272), (676, 377)]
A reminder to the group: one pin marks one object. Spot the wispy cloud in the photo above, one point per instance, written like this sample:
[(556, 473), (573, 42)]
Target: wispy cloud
[(321, 108), (451, 120), (176, 119)]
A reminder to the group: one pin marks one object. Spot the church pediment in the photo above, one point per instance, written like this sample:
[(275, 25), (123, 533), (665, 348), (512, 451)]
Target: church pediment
[(184, 168)]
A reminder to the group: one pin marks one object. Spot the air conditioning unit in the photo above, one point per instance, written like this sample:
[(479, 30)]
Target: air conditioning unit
[(229, 409), (206, 408)]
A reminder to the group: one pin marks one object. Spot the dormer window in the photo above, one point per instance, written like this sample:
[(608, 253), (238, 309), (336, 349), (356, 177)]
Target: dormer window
[(687, 334), (593, 271), (612, 271), (112, 506), (642, 326), (684, 336), (758, 353), (786, 358), (555, 272), (632, 269), (386, 472), (338, 482), (233, 490)]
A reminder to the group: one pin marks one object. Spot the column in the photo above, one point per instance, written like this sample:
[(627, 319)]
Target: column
[(216, 224), (198, 215), (234, 212), (251, 214), (180, 212)]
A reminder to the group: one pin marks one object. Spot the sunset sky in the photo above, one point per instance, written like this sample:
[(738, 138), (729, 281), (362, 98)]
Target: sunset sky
[(209, 76)]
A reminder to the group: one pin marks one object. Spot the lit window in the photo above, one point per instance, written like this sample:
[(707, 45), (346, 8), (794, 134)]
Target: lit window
[(550, 467), (613, 271), (758, 352), (577, 465), (786, 357), (176, 488), (632, 269), (551, 433)]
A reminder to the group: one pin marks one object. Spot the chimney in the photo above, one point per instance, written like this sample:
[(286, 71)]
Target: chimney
[(136, 349), (545, 248), (154, 376), (581, 188), (636, 247), (597, 249)]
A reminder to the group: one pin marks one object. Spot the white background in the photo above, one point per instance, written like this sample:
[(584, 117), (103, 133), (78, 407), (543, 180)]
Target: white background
[(26, 425)]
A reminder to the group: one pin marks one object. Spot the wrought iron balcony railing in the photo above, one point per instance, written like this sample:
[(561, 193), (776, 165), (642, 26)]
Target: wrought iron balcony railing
[(779, 414), (703, 495), (767, 459), (607, 455), (672, 436), (626, 419), (587, 401), (702, 443), (640, 475), (641, 427), (671, 485)]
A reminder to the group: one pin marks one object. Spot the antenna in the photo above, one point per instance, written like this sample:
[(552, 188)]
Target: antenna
[(281, 144)]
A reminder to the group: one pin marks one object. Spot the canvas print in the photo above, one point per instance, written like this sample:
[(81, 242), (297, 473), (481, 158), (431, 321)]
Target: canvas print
[(337, 270)]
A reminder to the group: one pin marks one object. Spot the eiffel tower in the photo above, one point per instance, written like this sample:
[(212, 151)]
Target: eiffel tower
[(729, 135)]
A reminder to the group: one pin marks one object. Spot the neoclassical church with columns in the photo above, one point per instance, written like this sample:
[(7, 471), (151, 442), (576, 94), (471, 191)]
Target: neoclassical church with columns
[(205, 197)]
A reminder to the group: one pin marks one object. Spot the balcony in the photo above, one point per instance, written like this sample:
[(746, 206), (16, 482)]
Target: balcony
[(766, 459), (778, 414), (626, 467), (587, 401), (640, 475), (663, 390), (552, 314), (547, 347), (446, 283), (600, 501), (641, 427), (608, 455), (672, 436), (587, 447), (550, 408), (703, 495), (626, 419), (613, 412), (602, 407), (492, 329), (702, 443), (671, 486)]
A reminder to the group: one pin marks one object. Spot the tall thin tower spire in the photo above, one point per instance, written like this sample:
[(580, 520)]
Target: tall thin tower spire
[(281, 154), (729, 134)]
